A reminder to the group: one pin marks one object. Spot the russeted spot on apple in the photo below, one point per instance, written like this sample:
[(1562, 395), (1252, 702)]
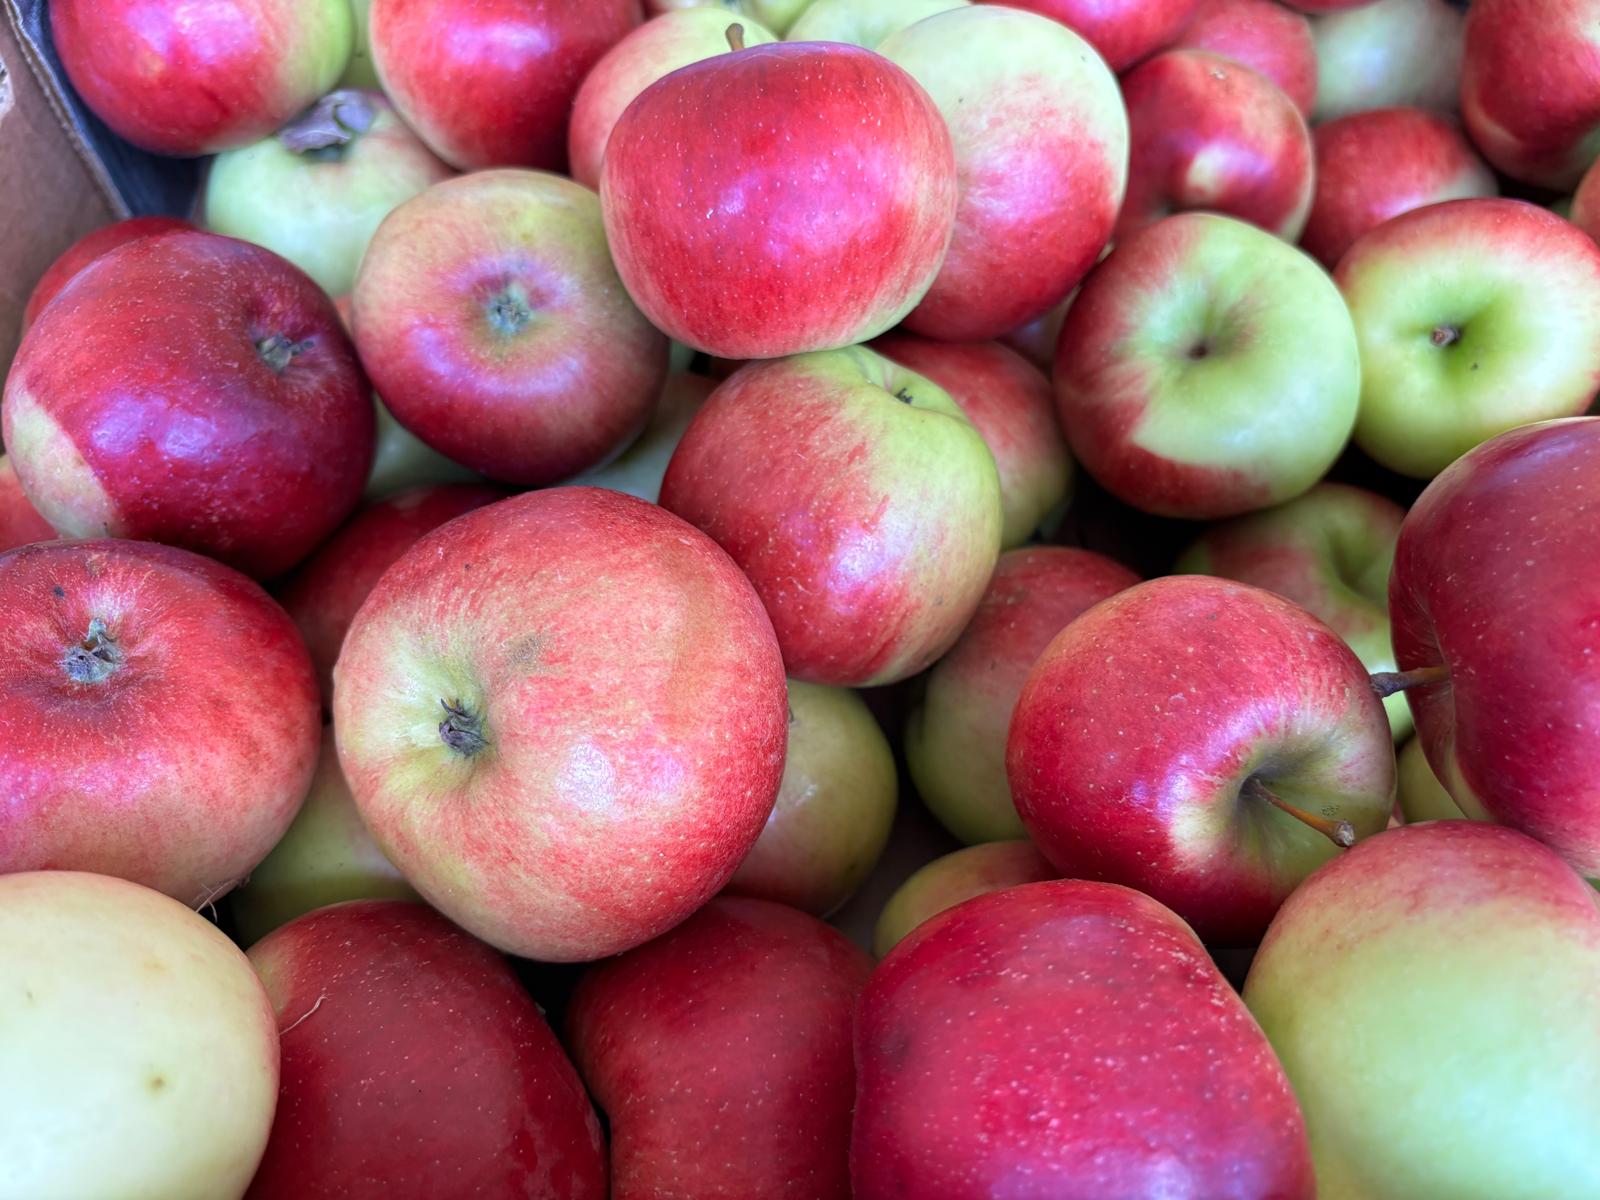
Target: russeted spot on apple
[(462, 728), (94, 659)]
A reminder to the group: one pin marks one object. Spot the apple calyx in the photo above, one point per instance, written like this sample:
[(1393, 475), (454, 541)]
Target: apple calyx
[(903, 395), (1444, 335), (509, 310), (462, 729), (1387, 683), (329, 125), (1340, 833), (278, 351), (94, 659), (735, 37)]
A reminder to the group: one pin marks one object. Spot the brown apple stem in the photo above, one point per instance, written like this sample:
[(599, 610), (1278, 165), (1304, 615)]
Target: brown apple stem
[(94, 659), (1387, 683), (1340, 833), (462, 729), (335, 120), (736, 36)]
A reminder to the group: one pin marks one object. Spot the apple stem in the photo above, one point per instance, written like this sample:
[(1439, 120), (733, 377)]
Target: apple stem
[(461, 730), (736, 36), (330, 124), (1444, 335), (95, 658), (1387, 683), (1340, 833)]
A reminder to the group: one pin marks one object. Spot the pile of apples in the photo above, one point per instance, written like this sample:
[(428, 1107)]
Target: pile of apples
[(512, 548)]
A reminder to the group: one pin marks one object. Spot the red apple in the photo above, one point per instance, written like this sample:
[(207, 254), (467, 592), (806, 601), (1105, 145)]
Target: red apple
[(1041, 143), (1204, 741), (1375, 165), (192, 389), (20, 522), (85, 250), (324, 594), (746, 244), (415, 1065), (1013, 408), (183, 79), (721, 1054), (1509, 727), (1391, 52), (1036, 341), (562, 717), (493, 325), (1208, 133), (1530, 87), (160, 721), (1262, 35), (1071, 1040), (954, 879), (1123, 31), (858, 499), (1585, 212), (491, 83)]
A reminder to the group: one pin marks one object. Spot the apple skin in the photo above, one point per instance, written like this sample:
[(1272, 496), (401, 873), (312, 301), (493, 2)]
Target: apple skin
[(1145, 717), (1378, 164), (613, 723), (1041, 145), (721, 1054), (1144, 1072), (863, 22), (1503, 530), (1474, 317), (394, 1025), (1012, 406), (1122, 31), (144, 403), (85, 250), (1209, 133), (639, 469), (1386, 54), (360, 71), (492, 322), (1207, 369), (657, 48), (955, 739), (1330, 551), (954, 879), (835, 806), (1421, 992), (1422, 797), (320, 207), (491, 84), (1036, 341), (140, 1055), (20, 522), (840, 225), (858, 499), (322, 597), (776, 15), (1262, 35), (1585, 208), (1530, 87), (103, 644), (185, 80)]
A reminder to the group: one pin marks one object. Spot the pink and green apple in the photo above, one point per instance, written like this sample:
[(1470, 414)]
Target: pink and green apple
[(20, 522), (1391, 52), (1121, 31), (1262, 35), (863, 22), (776, 15), (954, 879)]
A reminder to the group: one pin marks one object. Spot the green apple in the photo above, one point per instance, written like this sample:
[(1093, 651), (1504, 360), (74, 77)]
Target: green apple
[(639, 468), (954, 878), (1422, 796), (1393, 52), (863, 22), (401, 460), (776, 15), (360, 73), (1431, 994)]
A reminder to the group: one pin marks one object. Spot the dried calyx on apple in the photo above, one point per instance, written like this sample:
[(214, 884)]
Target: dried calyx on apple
[(461, 729), (94, 659), (325, 129)]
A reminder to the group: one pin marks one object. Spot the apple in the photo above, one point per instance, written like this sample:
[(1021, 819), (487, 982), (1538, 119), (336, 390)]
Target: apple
[(322, 597), (325, 857), (1378, 164), (744, 244), (491, 83), (1072, 1040), (139, 1052), (863, 22), (563, 718), (857, 498), (1122, 31), (955, 739), (1207, 369), (1036, 340), (835, 806), (1330, 551), (638, 470), (414, 1064), (360, 72), (1392, 52), (658, 47), (316, 190), (1422, 797), (776, 15), (1041, 145), (1429, 996), (492, 323), (1205, 741), (1584, 210), (1013, 408), (1505, 707), (192, 389), (85, 250), (20, 522), (1209, 133), (1530, 87), (721, 1054), (1473, 316), (1262, 35), (160, 720), (953, 879)]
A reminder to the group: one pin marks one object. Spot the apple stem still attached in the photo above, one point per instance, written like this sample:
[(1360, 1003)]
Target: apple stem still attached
[(1340, 833), (1387, 683), (736, 37)]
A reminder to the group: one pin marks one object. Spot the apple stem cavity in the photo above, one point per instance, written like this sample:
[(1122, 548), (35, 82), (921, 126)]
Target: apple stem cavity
[(1340, 833), (329, 125), (94, 659), (1444, 335), (736, 36), (1387, 683), (462, 729), (278, 351)]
